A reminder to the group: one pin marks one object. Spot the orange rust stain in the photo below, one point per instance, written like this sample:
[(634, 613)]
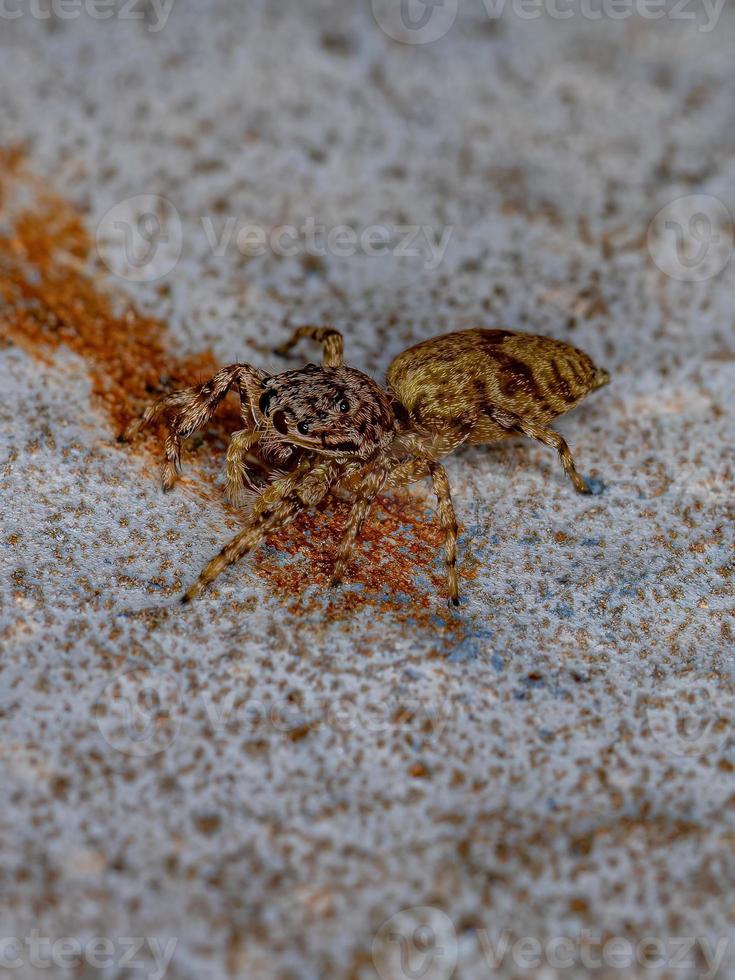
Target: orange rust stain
[(53, 294), (398, 544), (395, 564)]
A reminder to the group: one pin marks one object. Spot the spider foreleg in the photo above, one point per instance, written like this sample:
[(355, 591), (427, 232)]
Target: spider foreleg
[(330, 339), (189, 410), (238, 481), (278, 505)]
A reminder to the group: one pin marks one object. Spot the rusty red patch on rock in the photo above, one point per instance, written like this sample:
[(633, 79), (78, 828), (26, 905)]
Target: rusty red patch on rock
[(53, 295), (398, 546)]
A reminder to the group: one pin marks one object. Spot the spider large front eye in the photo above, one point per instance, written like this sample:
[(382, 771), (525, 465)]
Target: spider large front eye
[(303, 428), (265, 401), (279, 422), (344, 406)]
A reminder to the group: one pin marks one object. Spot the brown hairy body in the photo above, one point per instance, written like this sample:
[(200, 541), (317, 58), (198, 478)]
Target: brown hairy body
[(333, 427), (472, 375)]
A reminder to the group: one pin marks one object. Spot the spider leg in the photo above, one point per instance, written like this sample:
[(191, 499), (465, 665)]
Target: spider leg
[(422, 448), (366, 492), (190, 409), (238, 482), (409, 471), (278, 505), (549, 437), (381, 476), (330, 339), (448, 521)]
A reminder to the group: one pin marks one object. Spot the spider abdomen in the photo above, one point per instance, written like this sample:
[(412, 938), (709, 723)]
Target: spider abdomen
[(474, 377)]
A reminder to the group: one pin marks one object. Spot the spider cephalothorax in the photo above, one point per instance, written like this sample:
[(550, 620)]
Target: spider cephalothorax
[(320, 428), (336, 411)]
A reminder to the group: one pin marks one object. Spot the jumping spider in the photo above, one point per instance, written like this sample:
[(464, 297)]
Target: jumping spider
[(330, 427)]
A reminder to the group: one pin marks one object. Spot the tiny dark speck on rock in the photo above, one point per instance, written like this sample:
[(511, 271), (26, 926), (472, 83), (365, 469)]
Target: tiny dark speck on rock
[(339, 44)]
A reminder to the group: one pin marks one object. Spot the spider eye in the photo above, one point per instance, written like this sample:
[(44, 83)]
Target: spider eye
[(279, 422), (303, 428), (265, 402), (344, 406)]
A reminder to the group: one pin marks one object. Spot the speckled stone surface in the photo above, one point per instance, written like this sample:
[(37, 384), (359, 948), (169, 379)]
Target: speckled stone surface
[(265, 778)]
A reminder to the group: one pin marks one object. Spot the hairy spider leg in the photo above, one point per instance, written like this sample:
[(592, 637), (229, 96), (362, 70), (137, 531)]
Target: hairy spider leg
[(448, 520), (330, 339), (429, 447), (413, 470), (549, 437), (365, 494), (238, 482), (190, 409), (409, 471), (277, 506)]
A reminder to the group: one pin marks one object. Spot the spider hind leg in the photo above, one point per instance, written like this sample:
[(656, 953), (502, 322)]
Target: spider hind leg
[(546, 435)]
